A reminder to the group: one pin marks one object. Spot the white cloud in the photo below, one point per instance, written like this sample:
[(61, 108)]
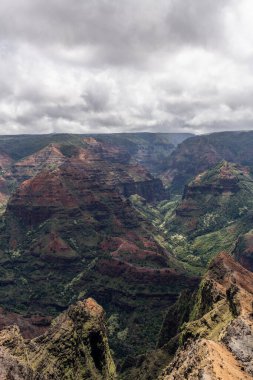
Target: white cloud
[(101, 66)]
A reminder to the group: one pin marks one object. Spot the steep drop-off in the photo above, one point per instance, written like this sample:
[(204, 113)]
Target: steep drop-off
[(217, 342), (214, 199), (200, 153), (216, 208), (74, 347)]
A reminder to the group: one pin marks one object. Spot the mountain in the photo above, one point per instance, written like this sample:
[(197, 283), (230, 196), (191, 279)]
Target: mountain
[(217, 341), (214, 199), (215, 209), (87, 217), (149, 149), (206, 334), (74, 347), (22, 156), (69, 230), (200, 153), (152, 150)]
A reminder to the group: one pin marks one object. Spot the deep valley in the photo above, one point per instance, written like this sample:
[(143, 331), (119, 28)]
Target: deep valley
[(126, 256)]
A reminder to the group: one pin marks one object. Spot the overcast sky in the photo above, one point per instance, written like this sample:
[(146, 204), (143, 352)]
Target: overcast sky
[(126, 65)]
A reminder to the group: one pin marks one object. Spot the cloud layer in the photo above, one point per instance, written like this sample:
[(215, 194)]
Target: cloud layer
[(110, 66)]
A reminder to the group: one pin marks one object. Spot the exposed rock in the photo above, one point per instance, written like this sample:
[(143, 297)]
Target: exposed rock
[(238, 338), (214, 199), (107, 151), (217, 343), (205, 360), (74, 347), (114, 161), (69, 231), (50, 156), (23, 157)]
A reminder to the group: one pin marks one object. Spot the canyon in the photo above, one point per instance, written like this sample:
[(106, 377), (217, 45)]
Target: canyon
[(130, 222)]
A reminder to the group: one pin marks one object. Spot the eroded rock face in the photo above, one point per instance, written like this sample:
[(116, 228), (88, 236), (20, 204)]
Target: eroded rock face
[(50, 156), (200, 153), (112, 161), (74, 347), (23, 157), (70, 231), (214, 199), (205, 359), (238, 338), (217, 343)]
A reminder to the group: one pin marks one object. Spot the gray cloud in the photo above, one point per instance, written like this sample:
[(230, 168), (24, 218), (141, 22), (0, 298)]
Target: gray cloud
[(197, 22), (115, 32), (105, 65)]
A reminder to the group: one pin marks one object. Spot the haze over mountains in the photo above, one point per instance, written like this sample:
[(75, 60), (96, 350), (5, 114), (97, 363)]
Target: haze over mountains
[(133, 221)]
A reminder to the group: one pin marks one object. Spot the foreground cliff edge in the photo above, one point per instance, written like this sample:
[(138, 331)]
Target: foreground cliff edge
[(74, 347), (217, 343)]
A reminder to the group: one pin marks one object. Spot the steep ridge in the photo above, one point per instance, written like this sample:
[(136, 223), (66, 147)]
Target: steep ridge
[(217, 343), (200, 153), (150, 365), (21, 155), (131, 178), (50, 156), (205, 359), (74, 347)]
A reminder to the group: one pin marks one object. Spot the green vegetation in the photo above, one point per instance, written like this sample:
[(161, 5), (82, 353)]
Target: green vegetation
[(209, 326), (215, 211), (133, 256), (199, 153)]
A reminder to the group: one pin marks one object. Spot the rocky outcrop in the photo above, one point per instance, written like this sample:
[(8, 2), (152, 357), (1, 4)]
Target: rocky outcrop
[(218, 340), (74, 347), (205, 359)]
